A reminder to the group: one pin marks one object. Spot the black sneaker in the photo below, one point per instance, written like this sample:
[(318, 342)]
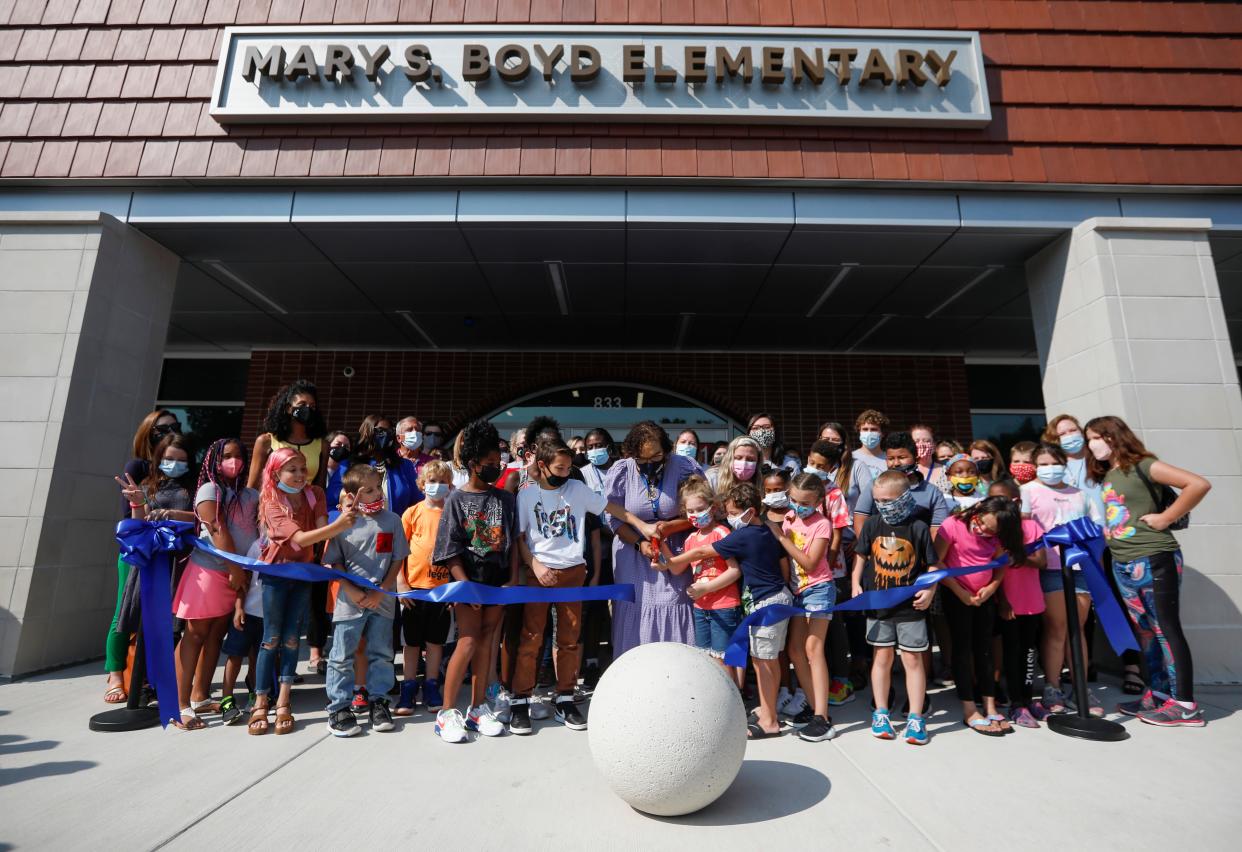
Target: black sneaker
[(568, 715), (817, 730), (804, 717), (230, 713), (381, 719), (361, 702), (343, 724), (519, 716)]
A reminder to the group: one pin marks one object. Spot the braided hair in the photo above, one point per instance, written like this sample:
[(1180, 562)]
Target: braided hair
[(228, 498)]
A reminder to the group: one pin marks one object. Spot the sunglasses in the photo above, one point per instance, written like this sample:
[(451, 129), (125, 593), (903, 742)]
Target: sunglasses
[(167, 428)]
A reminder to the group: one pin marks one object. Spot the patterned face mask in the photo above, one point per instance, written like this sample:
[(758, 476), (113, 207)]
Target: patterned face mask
[(965, 484), (764, 436), (896, 511)]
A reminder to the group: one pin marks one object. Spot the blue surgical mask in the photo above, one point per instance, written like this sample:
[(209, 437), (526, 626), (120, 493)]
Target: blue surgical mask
[(1050, 474), (436, 490), (803, 512), (822, 474), (412, 440), (701, 519), (1072, 443), (432, 442), (597, 456), (898, 511), (687, 450), (870, 440), (288, 489), (173, 469)]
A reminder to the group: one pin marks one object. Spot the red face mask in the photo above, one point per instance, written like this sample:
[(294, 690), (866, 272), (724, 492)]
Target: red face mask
[(370, 508), (1024, 472)]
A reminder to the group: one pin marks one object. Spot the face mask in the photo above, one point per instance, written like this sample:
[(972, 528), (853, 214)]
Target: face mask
[(924, 450), (870, 440), (687, 450), (489, 473), (700, 519), (288, 489), (505, 458), (303, 414), (739, 521), (718, 458), (965, 484), (651, 469), (822, 474), (432, 442), (231, 467), (1072, 443), (764, 436), (1024, 472), (896, 511), (776, 500), (382, 438), (554, 480), (173, 469), (436, 490), (984, 466), (1051, 474), (338, 453), (412, 440), (977, 527), (803, 512), (597, 456), (743, 470), (370, 508), (1100, 449), (580, 460), (907, 469)]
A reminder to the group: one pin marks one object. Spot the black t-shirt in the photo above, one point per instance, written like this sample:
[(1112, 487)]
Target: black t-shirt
[(896, 557)]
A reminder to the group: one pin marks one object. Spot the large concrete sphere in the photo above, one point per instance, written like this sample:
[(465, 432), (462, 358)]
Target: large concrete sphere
[(668, 728)]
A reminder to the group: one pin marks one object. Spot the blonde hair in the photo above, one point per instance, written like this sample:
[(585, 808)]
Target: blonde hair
[(697, 486), (434, 468), (725, 479)]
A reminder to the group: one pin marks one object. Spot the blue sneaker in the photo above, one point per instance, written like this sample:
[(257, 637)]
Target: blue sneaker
[(881, 726), (409, 697), (433, 699), (916, 730)]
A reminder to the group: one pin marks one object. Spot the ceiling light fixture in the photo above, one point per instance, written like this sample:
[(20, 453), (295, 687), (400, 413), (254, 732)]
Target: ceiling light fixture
[(878, 325), (682, 328), (846, 269), (408, 317), (964, 290), (556, 270), (218, 266)]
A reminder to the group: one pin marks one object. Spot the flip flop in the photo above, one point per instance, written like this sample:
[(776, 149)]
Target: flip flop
[(116, 695), (1005, 727), (755, 732), (1132, 683), (979, 724)]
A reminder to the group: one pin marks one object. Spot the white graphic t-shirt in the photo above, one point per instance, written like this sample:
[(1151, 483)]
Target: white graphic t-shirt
[(554, 521)]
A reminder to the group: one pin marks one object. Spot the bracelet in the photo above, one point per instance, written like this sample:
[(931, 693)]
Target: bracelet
[(136, 505)]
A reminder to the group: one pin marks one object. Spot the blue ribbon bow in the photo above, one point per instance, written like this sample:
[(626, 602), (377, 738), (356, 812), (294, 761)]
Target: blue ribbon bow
[(1083, 545)]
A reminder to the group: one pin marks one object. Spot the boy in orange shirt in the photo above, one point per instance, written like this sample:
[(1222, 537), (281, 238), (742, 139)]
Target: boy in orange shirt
[(425, 624)]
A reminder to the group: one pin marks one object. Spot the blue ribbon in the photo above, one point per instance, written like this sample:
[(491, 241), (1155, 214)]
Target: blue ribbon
[(150, 548), (1083, 546)]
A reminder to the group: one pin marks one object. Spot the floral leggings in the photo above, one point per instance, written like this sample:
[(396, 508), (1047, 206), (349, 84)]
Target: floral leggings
[(1151, 589)]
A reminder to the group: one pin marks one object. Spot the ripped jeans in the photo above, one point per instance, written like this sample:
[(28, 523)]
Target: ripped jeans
[(285, 605)]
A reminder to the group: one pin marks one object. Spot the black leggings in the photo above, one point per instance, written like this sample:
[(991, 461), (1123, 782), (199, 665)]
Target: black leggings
[(319, 624), (971, 629), (1167, 596), (1019, 638)]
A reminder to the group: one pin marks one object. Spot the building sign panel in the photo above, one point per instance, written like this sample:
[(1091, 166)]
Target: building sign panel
[(516, 73)]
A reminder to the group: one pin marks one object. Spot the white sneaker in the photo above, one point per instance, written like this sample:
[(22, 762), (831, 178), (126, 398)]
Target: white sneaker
[(451, 726), (796, 704), (483, 720), (538, 709), (500, 705)]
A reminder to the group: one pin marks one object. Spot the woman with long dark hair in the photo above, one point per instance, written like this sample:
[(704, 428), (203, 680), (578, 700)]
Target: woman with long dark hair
[(293, 420), (377, 446), (762, 428)]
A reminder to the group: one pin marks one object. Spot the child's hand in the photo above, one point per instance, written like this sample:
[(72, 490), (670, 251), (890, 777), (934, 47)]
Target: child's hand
[(371, 599), (923, 598), (697, 590), (644, 547), (856, 589), (236, 578), (648, 531), (239, 616), (1006, 611), (349, 513), (542, 572)]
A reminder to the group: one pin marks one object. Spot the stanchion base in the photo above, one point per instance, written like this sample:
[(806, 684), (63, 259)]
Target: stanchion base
[(125, 719), (1090, 728)]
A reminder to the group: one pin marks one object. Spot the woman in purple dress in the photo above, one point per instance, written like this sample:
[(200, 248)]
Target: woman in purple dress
[(646, 483)]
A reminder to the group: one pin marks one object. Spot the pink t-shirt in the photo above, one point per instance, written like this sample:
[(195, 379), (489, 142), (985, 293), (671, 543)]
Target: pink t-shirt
[(838, 512), (802, 533), (967, 550), (711, 568), (1021, 584), (1053, 507)]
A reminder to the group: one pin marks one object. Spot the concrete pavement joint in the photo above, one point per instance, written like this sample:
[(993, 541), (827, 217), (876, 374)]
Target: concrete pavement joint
[(891, 801)]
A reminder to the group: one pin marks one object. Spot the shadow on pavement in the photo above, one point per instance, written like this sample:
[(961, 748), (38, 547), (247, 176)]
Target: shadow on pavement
[(12, 744), (763, 790)]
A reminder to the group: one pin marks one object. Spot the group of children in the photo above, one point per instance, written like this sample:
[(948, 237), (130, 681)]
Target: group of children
[(758, 537)]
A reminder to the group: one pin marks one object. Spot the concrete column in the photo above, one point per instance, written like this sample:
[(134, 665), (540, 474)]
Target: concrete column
[(1128, 321), (84, 306)]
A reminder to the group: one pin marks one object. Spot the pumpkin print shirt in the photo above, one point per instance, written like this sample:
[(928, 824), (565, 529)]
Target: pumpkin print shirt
[(895, 556)]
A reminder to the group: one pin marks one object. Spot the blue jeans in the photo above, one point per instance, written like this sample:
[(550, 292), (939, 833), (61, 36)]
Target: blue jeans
[(285, 605), (714, 627), (377, 631)]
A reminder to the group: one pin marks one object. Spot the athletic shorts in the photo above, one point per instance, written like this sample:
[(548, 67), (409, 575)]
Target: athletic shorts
[(425, 623), (905, 635)]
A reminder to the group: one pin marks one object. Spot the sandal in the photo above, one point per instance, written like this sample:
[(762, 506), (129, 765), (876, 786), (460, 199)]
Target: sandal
[(755, 732), (258, 724), (1002, 723), (116, 695), (190, 720), (1132, 683), (978, 726), (207, 705), (284, 719), (321, 666)]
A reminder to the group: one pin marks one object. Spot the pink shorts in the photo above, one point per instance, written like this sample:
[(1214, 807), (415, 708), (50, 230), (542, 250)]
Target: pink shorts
[(203, 594)]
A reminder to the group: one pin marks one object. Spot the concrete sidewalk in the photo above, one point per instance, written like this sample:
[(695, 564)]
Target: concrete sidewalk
[(64, 787)]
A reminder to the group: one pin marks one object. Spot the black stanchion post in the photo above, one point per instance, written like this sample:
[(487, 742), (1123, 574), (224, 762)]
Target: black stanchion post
[(1081, 724), (134, 716)]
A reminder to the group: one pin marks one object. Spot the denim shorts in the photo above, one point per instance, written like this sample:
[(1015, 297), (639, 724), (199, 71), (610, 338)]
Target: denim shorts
[(766, 643), (1052, 582), (241, 643), (818, 598), (714, 627)]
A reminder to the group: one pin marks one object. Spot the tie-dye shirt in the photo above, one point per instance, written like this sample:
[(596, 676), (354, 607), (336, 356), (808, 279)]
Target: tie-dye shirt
[(1126, 499)]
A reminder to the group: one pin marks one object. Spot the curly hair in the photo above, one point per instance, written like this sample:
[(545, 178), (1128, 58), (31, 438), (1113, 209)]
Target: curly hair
[(645, 432), (479, 439), (541, 428), (744, 495), (228, 499), (870, 417), (279, 422)]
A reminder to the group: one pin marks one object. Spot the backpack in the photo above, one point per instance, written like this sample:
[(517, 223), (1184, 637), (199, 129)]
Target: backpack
[(1163, 496)]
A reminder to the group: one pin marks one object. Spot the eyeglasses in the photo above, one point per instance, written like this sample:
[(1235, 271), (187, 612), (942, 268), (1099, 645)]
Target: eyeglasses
[(166, 428)]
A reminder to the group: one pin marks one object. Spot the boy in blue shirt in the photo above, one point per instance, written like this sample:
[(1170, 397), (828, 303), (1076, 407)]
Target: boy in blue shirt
[(765, 568)]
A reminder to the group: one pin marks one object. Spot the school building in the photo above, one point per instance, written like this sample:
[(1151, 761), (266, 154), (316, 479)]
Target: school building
[(971, 214)]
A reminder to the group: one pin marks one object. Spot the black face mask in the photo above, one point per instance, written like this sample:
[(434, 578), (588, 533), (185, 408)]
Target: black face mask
[(303, 414), (489, 473), (907, 469), (984, 466), (651, 469), (554, 480), (338, 453), (580, 460), (382, 438)]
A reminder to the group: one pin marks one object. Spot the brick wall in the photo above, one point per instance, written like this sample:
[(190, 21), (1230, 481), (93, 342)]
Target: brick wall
[(1082, 92), (800, 391)]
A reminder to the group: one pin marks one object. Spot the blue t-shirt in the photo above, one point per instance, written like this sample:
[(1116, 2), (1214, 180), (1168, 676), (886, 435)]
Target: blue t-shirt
[(758, 554), (930, 507)]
